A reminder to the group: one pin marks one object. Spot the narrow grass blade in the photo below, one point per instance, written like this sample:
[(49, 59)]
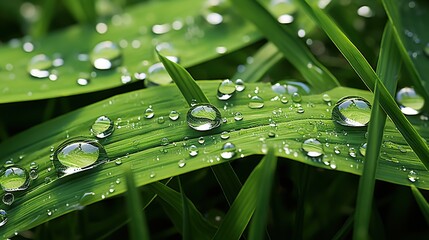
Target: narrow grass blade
[(137, 225), (41, 26), (259, 219), (172, 201), (388, 68), (225, 173), (302, 186), (289, 44), (186, 233), (344, 230), (82, 10), (421, 201), (369, 77), (266, 57)]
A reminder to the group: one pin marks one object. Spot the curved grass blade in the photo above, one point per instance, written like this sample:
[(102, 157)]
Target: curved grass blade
[(388, 68), (259, 220), (369, 77), (225, 173), (82, 11), (186, 231), (137, 224), (288, 43), (421, 201)]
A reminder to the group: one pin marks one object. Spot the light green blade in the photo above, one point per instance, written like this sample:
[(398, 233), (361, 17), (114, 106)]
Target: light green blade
[(421, 201)]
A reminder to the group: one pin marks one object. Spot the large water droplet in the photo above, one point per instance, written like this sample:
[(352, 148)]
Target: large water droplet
[(174, 115), (3, 217), (78, 154), (352, 112), (413, 176), (149, 113), (8, 198), (312, 147), (106, 55), (193, 150), (410, 102), (256, 102), (14, 178), (39, 66), (203, 117), (102, 127), (226, 89), (228, 151)]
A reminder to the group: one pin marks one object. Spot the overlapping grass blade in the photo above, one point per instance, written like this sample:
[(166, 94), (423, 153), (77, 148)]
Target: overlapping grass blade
[(82, 10), (288, 43), (369, 77), (388, 68), (186, 231), (421, 201), (227, 174)]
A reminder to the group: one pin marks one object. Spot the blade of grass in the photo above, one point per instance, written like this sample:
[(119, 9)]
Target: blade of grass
[(369, 77), (227, 173), (421, 201), (344, 230), (259, 219), (388, 67), (82, 10), (300, 212), (137, 225), (289, 44), (186, 233)]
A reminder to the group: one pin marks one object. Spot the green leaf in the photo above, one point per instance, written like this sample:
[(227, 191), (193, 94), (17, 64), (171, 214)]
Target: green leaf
[(288, 43), (186, 232), (421, 201)]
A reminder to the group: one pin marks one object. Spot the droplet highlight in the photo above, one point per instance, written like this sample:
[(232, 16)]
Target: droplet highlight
[(102, 127), (312, 147), (352, 112), (106, 55), (228, 150)]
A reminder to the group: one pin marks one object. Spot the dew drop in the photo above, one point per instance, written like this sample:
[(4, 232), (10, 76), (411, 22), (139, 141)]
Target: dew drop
[(203, 117), (352, 112), (149, 113), (157, 75), (284, 100), (327, 99), (337, 150), (34, 174), (239, 85), (78, 154), (181, 163), (312, 147), (8, 198), (413, 176), (39, 66), (225, 89), (410, 102), (300, 109), (34, 165), (362, 149), (152, 174), (224, 135), (174, 115), (201, 140), (3, 217), (106, 55), (161, 120), (193, 150), (228, 150), (285, 19), (352, 152), (296, 97), (256, 102), (14, 178), (102, 127), (238, 116)]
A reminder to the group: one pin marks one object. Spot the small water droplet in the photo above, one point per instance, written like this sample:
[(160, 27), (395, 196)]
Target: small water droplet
[(312, 147), (181, 163), (284, 100), (34, 165), (174, 115), (164, 141), (256, 102), (118, 161), (152, 174), (78, 154), (296, 97), (34, 174), (102, 127), (352, 152), (161, 120), (149, 113), (193, 150), (238, 116), (8, 198), (410, 102), (333, 165), (224, 135), (239, 85), (203, 117), (14, 178), (3, 217), (337, 150), (49, 212), (352, 112), (106, 55), (225, 89), (228, 150), (300, 109), (362, 149), (413, 176), (201, 140), (327, 99), (39, 66)]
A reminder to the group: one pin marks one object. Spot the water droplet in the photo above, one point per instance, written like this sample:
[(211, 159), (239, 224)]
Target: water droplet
[(174, 115), (410, 102), (161, 120), (327, 99), (226, 89), (352, 152), (224, 135), (413, 176), (362, 149), (34, 165), (201, 140), (102, 127), (181, 163), (300, 109), (8, 198), (284, 100), (149, 113), (228, 150), (39, 66), (106, 55), (239, 85), (49, 212), (164, 141), (312, 147), (256, 102), (14, 178), (352, 112), (238, 116), (78, 154), (161, 28), (34, 174), (296, 97), (203, 117), (337, 150), (152, 174), (193, 150), (3, 217), (157, 75)]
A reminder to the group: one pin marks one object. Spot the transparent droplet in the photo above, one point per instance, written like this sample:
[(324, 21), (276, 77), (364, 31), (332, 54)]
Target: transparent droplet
[(327, 99), (8, 198), (362, 149), (352, 152), (157, 76), (300, 109), (78, 154), (239, 85), (285, 19), (312, 147), (34, 174), (34, 165), (3, 217), (284, 100), (39, 66), (14, 178), (352, 112), (106, 55), (228, 151), (164, 141), (410, 102), (161, 120), (193, 150), (256, 102), (203, 117), (226, 89), (83, 80), (149, 113), (413, 176), (174, 115), (152, 174), (296, 97), (201, 140), (337, 150), (224, 135), (238, 116), (181, 163), (102, 127)]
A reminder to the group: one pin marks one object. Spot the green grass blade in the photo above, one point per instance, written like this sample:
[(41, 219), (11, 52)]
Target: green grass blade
[(421, 201), (186, 231), (259, 219), (344, 230), (369, 77), (266, 57), (388, 68), (137, 224), (82, 10), (288, 43), (224, 173)]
